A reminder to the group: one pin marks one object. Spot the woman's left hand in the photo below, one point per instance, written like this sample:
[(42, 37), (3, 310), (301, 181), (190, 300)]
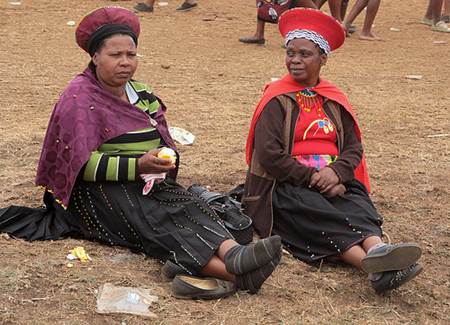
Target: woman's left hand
[(327, 179)]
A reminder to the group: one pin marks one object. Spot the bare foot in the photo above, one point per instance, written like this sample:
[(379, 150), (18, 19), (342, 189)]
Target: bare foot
[(369, 37)]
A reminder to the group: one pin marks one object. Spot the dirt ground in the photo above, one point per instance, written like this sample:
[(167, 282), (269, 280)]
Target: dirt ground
[(211, 83)]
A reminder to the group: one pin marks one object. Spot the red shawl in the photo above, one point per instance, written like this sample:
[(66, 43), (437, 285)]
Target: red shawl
[(325, 89)]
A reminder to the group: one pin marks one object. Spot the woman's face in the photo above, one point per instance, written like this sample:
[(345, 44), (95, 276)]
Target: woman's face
[(303, 61), (116, 60)]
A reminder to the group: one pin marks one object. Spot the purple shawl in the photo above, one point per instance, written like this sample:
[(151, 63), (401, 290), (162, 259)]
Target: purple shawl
[(85, 116)]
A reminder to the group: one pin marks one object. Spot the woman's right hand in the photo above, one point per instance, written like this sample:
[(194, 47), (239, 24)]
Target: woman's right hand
[(337, 190), (149, 163)]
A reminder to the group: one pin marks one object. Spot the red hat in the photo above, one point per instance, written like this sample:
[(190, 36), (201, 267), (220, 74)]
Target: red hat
[(122, 21), (314, 25)]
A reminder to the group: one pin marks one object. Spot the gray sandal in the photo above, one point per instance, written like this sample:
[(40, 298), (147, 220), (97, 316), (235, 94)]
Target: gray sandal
[(391, 257)]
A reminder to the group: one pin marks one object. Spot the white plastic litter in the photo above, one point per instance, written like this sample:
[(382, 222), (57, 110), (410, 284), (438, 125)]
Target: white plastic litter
[(70, 23), (15, 3), (414, 77), (112, 299), (274, 79), (181, 136), (394, 29), (163, 4)]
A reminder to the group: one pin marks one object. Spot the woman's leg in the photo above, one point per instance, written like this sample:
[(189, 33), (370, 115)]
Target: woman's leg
[(429, 12), (354, 256), (344, 6), (372, 10), (319, 3), (241, 259), (335, 9), (371, 241), (225, 247), (216, 269), (354, 12), (436, 9), (446, 8)]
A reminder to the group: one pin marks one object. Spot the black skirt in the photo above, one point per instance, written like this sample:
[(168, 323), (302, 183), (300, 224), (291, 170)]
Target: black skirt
[(314, 227), (168, 223)]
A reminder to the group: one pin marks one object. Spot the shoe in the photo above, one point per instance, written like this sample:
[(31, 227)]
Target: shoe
[(446, 19), (169, 270), (191, 287), (143, 7), (351, 29), (394, 279), (252, 40), (427, 21), (391, 257), (440, 27), (186, 6)]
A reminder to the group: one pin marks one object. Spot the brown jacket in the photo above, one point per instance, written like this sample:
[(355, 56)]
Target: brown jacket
[(272, 161)]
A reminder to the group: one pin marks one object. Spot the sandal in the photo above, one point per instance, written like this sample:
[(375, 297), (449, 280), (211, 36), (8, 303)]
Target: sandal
[(427, 21), (186, 6), (391, 257), (440, 27), (191, 287), (143, 7), (252, 40)]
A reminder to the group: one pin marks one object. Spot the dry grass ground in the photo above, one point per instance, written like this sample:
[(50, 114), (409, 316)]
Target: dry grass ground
[(211, 83)]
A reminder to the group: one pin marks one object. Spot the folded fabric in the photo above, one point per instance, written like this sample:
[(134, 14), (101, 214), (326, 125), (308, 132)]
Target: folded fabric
[(150, 179)]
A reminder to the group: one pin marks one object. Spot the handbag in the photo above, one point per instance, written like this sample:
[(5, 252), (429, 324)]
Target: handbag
[(229, 211)]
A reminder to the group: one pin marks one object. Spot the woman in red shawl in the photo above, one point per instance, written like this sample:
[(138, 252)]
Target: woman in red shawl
[(307, 180)]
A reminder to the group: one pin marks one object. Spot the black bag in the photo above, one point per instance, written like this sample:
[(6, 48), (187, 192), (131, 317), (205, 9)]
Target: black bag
[(229, 210)]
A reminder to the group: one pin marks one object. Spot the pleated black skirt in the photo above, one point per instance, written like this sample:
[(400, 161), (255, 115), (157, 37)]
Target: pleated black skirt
[(169, 223), (314, 227)]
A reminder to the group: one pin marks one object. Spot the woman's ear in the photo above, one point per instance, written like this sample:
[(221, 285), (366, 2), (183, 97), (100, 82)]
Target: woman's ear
[(95, 59), (323, 59)]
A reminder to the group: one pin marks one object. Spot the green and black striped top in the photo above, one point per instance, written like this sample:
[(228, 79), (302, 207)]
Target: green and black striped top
[(116, 159)]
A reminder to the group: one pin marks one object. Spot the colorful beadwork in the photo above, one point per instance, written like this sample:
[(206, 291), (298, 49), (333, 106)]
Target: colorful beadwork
[(308, 100)]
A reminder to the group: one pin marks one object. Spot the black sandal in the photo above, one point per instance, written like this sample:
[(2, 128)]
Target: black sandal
[(252, 40), (186, 6), (143, 7), (229, 210)]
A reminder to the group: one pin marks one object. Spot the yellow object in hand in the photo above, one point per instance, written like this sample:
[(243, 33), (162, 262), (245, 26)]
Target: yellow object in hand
[(168, 153)]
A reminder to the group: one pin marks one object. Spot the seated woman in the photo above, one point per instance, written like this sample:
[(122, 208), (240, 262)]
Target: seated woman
[(104, 134), (307, 180)]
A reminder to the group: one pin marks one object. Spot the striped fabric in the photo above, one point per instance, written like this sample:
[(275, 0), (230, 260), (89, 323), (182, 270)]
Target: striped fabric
[(116, 159)]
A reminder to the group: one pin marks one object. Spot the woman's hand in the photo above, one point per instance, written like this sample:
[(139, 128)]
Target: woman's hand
[(149, 163), (337, 190), (324, 179)]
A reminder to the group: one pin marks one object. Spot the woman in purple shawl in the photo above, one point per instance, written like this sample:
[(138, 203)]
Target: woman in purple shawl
[(105, 133)]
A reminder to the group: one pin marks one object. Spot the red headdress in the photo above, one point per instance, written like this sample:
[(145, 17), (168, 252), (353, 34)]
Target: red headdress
[(104, 22), (313, 25)]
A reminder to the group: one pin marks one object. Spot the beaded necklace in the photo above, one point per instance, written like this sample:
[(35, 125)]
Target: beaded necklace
[(308, 100)]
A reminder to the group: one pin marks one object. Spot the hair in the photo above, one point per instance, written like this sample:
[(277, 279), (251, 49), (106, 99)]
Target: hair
[(103, 41)]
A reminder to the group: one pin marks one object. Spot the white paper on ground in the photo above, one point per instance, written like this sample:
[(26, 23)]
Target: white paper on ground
[(181, 136), (112, 299)]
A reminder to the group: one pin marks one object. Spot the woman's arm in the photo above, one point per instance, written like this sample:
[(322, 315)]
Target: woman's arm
[(103, 167), (270, 150), (351, 152)]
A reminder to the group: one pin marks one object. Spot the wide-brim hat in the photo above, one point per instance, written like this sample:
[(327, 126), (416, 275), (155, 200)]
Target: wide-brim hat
[(105, 16), (311, 22)]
